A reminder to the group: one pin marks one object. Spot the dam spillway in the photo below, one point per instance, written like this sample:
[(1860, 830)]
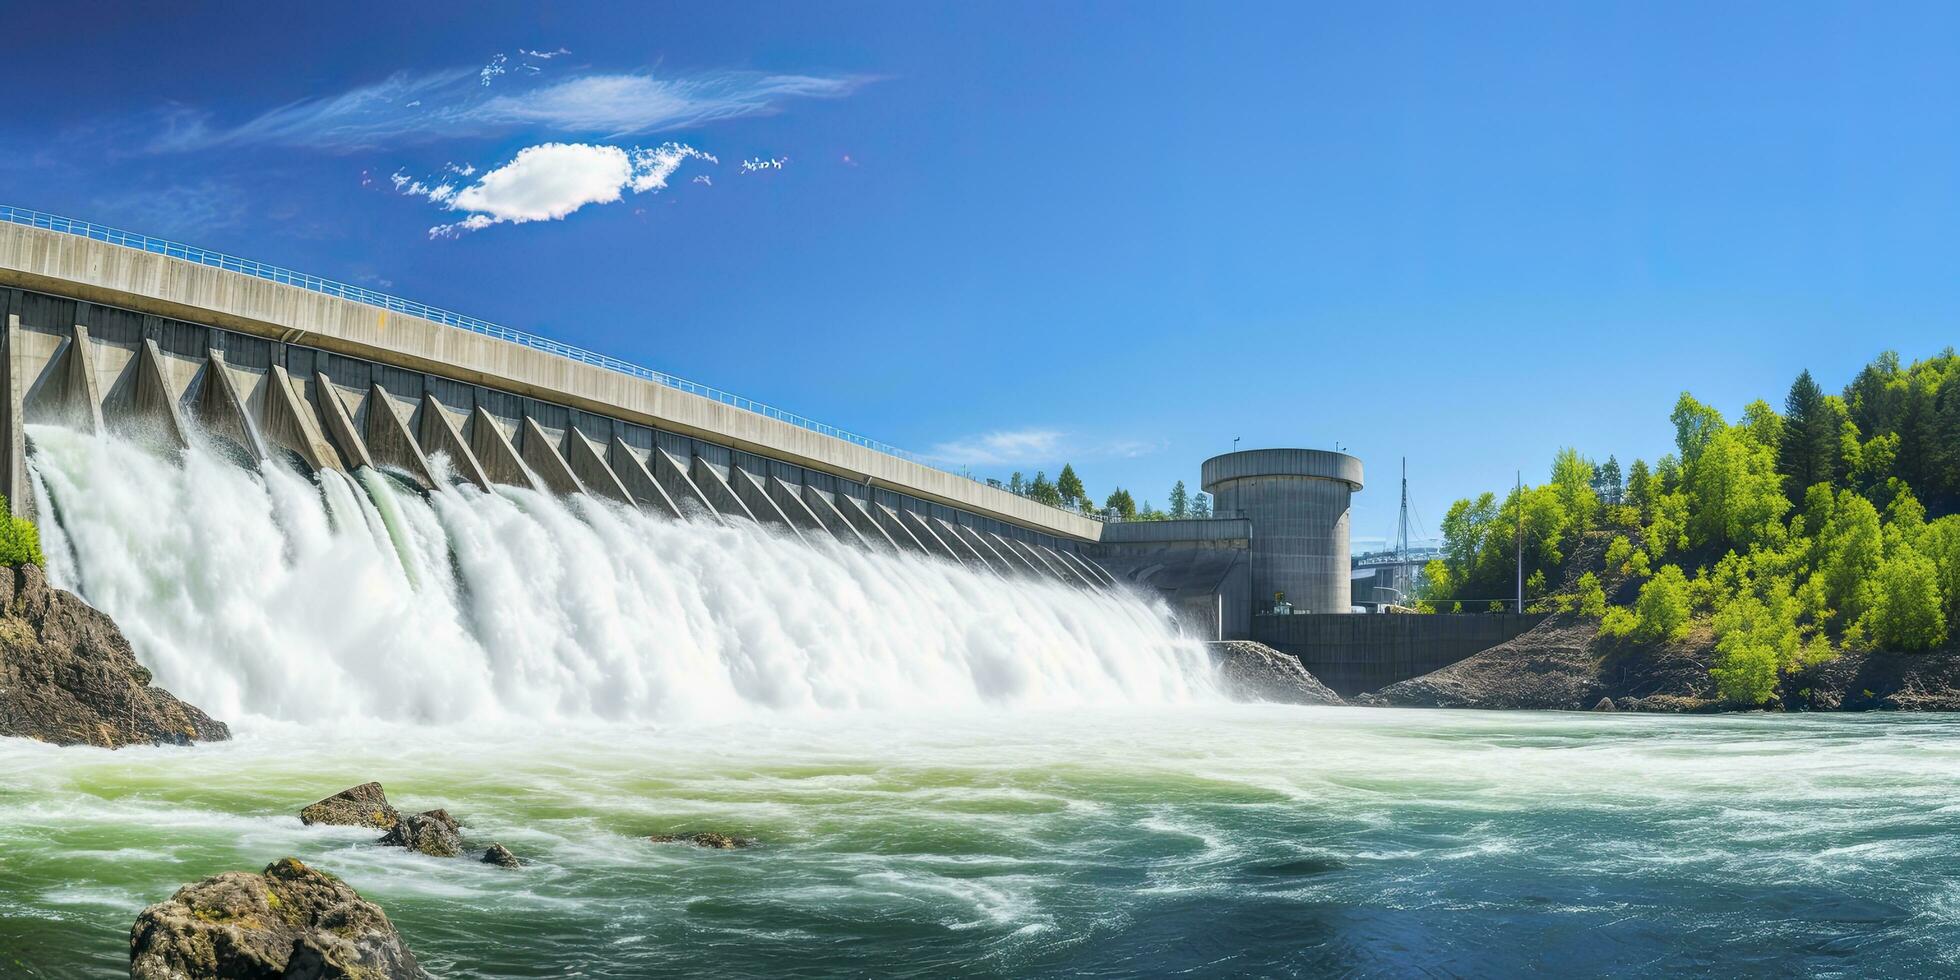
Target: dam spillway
[(108, 331), (292, 527)]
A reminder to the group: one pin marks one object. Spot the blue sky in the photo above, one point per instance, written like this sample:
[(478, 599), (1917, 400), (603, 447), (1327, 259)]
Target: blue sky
[(1119, 234)]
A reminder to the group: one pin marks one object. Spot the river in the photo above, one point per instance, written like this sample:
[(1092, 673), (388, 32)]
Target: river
[(1207, 841)]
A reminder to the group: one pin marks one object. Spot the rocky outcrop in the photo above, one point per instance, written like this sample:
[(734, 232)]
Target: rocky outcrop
[(69, 677), (708, 839), (501, 856), (1251, 671), (291, 921), (365, 805), (1879, 681), (1563, 664), (434, 833)]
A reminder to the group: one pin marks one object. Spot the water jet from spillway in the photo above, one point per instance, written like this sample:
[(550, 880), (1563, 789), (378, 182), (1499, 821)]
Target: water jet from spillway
[(259, 592)]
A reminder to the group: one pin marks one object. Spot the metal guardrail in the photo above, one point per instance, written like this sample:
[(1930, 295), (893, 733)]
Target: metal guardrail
[(369, 297)]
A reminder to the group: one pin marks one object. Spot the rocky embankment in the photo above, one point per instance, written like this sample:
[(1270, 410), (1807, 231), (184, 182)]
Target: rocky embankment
[(1564, 664), (1252, 671), (290, 921), (1879, 681), (69, 677)]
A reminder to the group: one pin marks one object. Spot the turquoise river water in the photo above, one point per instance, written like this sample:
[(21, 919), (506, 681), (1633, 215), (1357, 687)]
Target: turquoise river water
[(1194, 841)]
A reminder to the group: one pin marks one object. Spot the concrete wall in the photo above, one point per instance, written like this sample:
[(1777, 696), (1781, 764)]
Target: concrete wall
[(1357, 653), (79, 268), (1202, 568), (1297, 500), (76, 362)]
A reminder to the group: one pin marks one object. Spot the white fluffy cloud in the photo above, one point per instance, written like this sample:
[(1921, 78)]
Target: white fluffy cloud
[(551, 180)]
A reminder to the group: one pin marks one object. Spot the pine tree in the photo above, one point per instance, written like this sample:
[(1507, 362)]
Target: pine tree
[(1606, 482), (1043, 491), (1640, 489), (1201, 505), (1799, 459), (1122, 503), (1070, 486), (1180, 500)]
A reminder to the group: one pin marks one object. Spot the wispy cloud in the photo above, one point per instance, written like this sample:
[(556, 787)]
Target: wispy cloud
[(411, 108), (1002, 448), (186, 209), (548, 182), (1035, 446), (754, 164)]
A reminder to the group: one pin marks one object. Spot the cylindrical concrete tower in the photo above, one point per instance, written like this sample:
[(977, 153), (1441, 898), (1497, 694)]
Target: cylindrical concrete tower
[(1297, 500)]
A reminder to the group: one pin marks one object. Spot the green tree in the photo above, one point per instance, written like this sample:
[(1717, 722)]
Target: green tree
[(1640, 490), (1905, 610), (1662, 611), (20, 540), (1940, 543), (1017, 484), (1070, 486), (1608, 483), (1847, 549), (1735, 494), (1744, 671), (1694, 424), (1201, 505), (1572, 482), (1180, 500), (1591, 600), (1808, 451), (1043, 491), (1122, 503)]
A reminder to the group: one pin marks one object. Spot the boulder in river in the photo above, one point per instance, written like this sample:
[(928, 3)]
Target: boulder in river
[(291, 921), (708, 839), (1605, 704), (434, 833), (365, 805), (68, 676), (501, 856), (1253, 671)]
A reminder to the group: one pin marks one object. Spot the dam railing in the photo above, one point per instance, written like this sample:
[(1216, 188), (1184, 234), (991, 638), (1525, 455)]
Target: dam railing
[(409, 307)]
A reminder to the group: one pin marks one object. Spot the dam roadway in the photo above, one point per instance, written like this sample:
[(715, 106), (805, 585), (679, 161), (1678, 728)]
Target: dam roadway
[(109, 331)]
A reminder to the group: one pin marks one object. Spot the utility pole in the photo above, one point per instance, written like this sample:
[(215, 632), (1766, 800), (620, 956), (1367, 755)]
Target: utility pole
[(1404, 575), (1520, 499)]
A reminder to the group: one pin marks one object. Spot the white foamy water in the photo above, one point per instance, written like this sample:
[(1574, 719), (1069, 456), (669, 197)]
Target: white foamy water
[(267, 594)]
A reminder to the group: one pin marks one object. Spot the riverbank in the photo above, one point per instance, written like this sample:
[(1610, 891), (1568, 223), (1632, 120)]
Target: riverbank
[(1565, 664)]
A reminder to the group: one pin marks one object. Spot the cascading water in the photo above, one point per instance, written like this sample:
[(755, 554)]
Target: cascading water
[(263, 593)]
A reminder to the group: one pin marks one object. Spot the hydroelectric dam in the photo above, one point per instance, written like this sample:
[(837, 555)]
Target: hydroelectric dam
[(367, 405), (111, 331)]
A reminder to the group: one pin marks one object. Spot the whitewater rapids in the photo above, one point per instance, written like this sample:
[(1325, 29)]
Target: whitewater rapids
[(262, 593)]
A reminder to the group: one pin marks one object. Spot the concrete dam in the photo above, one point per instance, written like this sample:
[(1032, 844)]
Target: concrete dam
[(403, 443), (101, 335)]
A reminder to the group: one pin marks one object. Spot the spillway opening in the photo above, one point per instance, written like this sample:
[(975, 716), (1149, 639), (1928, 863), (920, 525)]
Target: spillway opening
[(259, 592)]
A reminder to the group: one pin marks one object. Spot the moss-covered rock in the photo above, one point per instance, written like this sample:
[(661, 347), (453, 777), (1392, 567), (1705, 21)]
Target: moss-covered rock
[(289, 921), (434, 833), (365, 805)]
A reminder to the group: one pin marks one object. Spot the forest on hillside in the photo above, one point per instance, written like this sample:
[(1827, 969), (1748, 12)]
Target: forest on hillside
[(1831, 525)]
